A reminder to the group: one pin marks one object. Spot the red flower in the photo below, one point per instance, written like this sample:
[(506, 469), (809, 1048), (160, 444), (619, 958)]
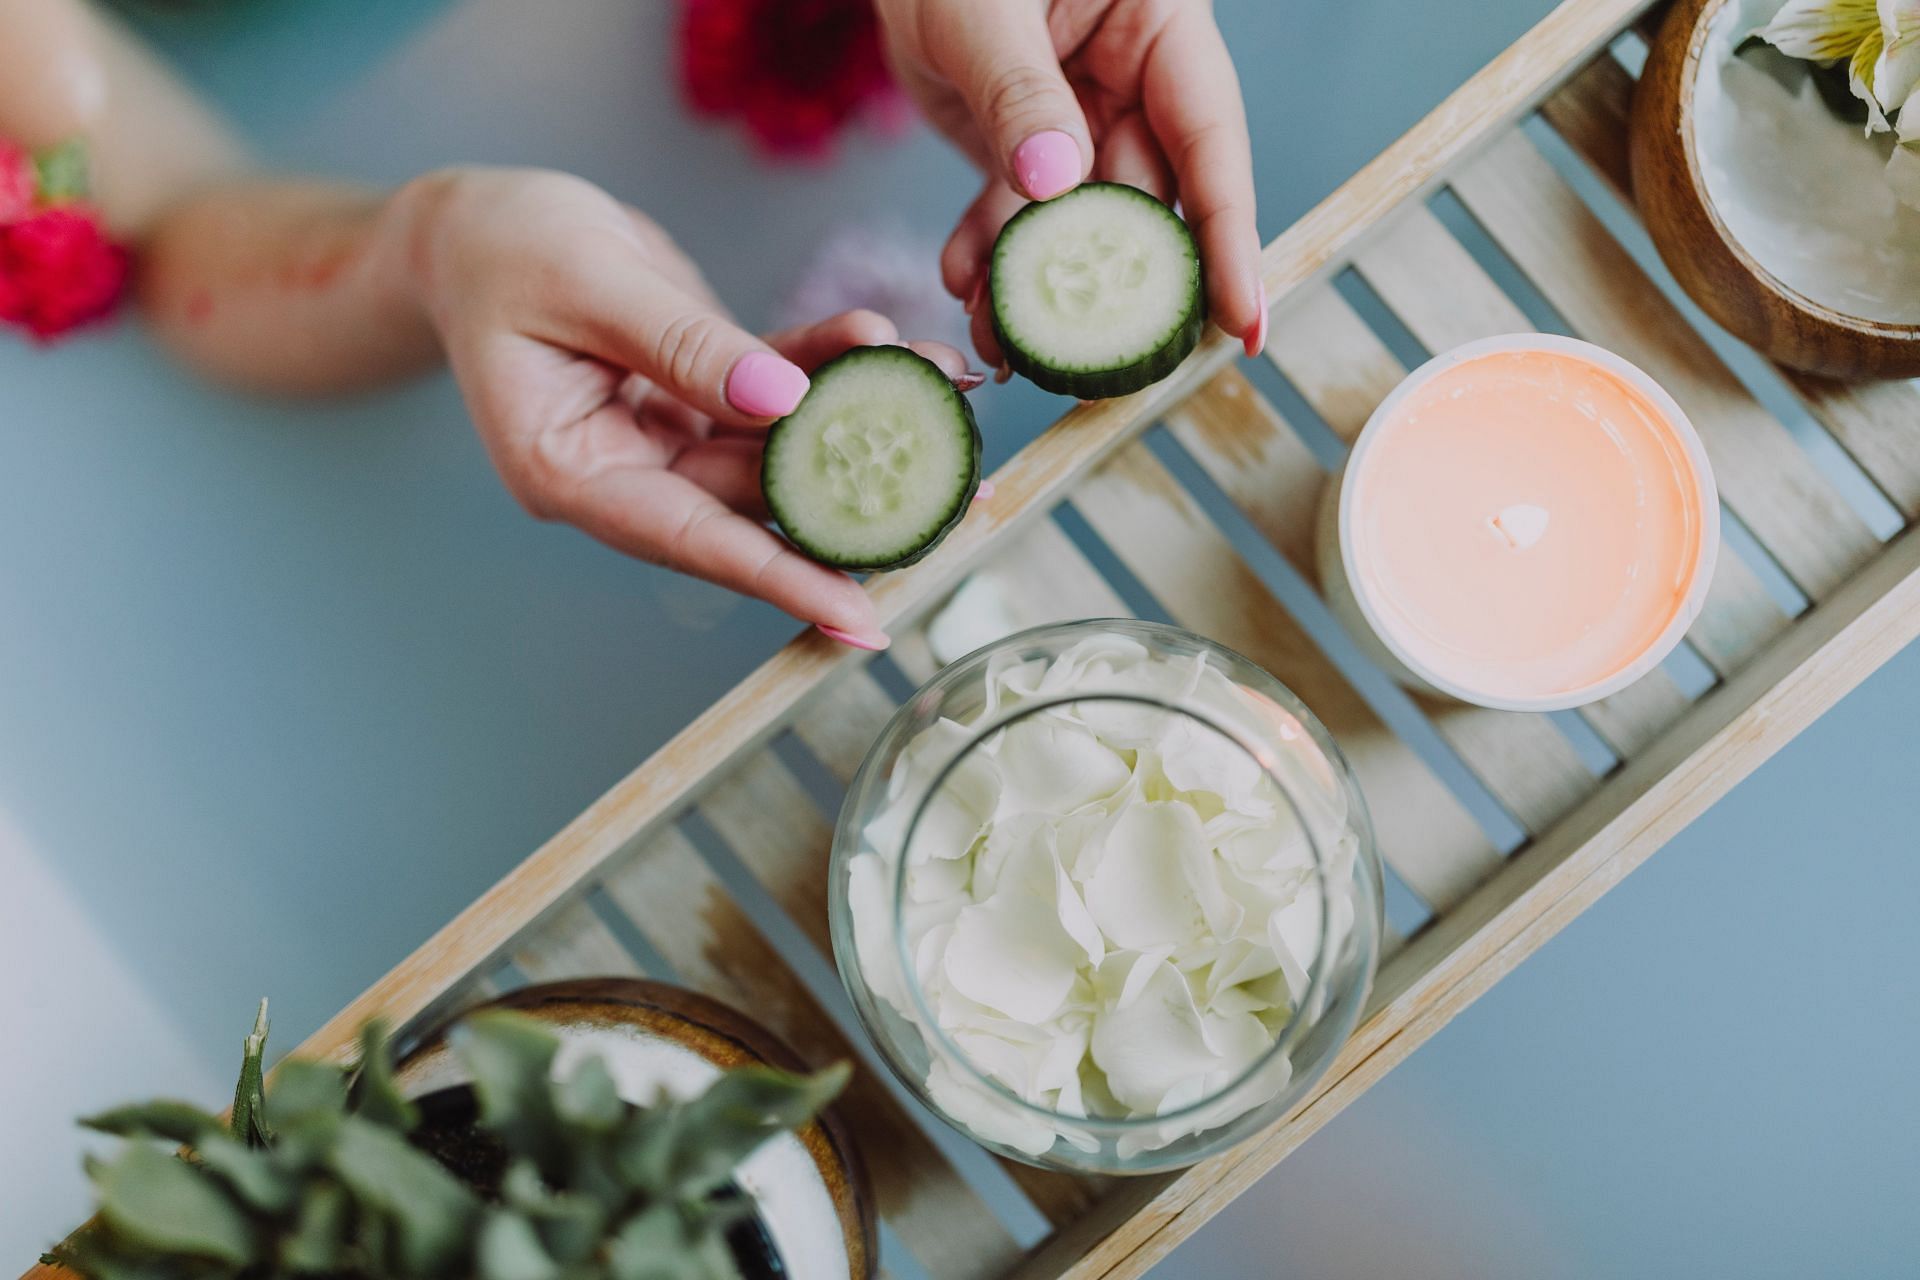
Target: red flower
[(796, 71), (58, 271), (17, 181)]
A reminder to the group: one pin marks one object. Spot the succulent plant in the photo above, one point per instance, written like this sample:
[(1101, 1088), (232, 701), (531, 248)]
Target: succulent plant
[(315, 1175)]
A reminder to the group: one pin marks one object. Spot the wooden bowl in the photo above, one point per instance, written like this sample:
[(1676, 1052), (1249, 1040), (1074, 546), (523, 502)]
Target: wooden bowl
[(637, 1008), (1730, 285)]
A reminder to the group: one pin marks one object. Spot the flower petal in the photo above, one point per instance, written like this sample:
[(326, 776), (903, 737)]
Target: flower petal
[(1140, 893), (1153, 1043), (1051, 765), (1822, 30), (1012, 956)]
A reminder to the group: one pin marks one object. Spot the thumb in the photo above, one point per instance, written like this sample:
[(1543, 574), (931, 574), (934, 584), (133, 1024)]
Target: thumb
[(1000, 56)]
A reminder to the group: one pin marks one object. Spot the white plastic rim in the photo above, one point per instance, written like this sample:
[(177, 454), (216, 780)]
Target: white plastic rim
[(1349, 592)]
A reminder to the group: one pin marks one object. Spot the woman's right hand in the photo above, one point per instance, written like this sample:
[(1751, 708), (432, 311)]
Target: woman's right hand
[(613, 391)]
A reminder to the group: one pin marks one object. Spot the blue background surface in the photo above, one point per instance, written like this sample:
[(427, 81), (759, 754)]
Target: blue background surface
[(282, 687)]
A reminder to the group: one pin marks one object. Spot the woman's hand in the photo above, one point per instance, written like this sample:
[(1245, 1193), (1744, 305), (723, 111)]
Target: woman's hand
[(611, 389), (614, 392), (1042, 94)]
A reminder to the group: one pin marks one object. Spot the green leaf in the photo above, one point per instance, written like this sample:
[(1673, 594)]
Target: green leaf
[(571, 1223), (60, 172), (318, 1241), (309, 1095), (660, 1244), (180, 1122), (161, 1202), (510, 1249), (588, 1099), (375, 1095), (511, 1058), (739, 1112), (432, 1211), (252, 1174), (248, 1119)]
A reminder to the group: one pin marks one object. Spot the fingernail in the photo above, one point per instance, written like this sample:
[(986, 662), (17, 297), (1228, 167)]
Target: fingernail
[(979, 294), (1047, 164), (1256, 338), (873, 643), (765, 386), (969, 380), (985, 492), (1003, 374)]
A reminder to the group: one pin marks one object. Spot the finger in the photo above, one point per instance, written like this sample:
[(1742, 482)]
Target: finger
[(963, 261), (1192, 99), (1130, 153), (814, 344), (667, 519), (951, 361), (729, 469), (980, 325), (631, 316), (1000, 56)]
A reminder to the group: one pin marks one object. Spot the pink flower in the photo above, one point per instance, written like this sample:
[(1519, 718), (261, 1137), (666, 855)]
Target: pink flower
[(795, 71), (17, 182), (58, 271)]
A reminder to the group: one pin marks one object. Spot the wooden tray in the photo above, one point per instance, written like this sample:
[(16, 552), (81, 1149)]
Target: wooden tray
[(707, 864)]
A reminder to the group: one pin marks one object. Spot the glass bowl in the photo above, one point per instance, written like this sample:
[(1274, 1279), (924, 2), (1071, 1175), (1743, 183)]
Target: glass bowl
[(1105, 896)]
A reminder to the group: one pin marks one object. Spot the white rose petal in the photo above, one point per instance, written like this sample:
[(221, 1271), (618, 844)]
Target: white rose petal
[(1012, 956), (993, 1119), (1140, 894), (1050, 765), (1151, 1044)]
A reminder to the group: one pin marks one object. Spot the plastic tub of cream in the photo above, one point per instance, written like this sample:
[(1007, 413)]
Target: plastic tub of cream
[(1528, 522)]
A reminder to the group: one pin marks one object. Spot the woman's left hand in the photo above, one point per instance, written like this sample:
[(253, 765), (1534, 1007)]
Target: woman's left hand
[(1043, 94)]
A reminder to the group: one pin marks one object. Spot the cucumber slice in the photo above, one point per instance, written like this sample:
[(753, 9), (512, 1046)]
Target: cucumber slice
[(877, 464), (1097, 292)]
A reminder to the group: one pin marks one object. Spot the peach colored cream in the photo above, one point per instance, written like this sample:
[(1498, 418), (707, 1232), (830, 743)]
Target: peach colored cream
[(1526, 524)]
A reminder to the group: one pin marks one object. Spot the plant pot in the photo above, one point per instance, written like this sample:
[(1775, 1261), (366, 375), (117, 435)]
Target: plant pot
[(1752, 221), (814, 1216)]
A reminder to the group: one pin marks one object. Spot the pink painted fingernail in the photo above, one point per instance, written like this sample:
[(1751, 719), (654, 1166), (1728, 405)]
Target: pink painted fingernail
[(873, 643), (969, 380), (985, 492), (1256, 339), (1047, 164), (765, 386)]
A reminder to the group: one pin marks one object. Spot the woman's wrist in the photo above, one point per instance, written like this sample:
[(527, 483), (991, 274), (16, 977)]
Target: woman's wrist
[(413, 239)]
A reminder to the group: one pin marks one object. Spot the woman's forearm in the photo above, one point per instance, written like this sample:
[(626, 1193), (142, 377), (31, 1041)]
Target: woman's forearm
[(293, 287)]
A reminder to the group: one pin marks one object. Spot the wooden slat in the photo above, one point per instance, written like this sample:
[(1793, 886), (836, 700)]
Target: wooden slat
[(1446, 298), (1595, 284), (574, 943), (841, 722), (1630, 720), (1722, 739), (1167, 541), (671, 895), (1877, 423)]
